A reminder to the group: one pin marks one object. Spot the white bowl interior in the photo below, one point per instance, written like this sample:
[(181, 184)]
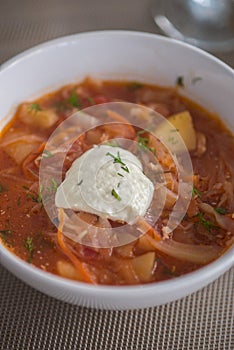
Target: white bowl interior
[(115, 55)]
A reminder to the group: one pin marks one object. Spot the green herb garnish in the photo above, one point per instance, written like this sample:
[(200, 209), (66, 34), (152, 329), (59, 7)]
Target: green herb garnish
[(221, 210), (6, 233), (54, 185), (135, 85), (207, 224), (120, 174), (36, 197), (5, 236), (33, 197), (196, 79), (35, 107), (40, 194), (74, 100), (115, 194), (112, 143), (125, 168), (118, 160), (3, 188), (169, 271), (79, 183), (47, 154), (91, 100), (172, 140), (30, 248), (196, 192), (180, 81), (143, 142)]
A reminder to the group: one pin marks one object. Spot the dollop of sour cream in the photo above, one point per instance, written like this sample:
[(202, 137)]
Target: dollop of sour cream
[(109, 182)]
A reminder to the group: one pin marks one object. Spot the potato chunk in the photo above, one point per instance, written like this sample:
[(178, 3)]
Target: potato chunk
[(20, 150), (66, 269), (19, 144), (143, 266), (183, 123), (41, 118)]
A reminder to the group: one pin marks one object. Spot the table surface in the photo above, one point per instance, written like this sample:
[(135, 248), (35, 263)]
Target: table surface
[(32, 320)]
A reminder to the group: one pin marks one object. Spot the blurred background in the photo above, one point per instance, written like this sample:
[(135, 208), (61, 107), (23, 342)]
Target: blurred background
[(24, 23)]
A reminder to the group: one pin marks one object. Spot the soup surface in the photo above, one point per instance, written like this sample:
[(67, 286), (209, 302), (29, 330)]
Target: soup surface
[(205, 232)]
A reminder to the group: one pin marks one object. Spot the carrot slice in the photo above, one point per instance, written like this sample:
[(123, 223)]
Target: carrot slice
[(82, 271), (119, 118), (148, 229)]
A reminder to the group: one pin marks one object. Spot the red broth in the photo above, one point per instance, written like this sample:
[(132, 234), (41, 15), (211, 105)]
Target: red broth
[(26, 230)]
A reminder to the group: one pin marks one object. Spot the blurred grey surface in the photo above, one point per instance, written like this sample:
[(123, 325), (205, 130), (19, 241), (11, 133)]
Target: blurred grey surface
[(31, 320), (24, 23)]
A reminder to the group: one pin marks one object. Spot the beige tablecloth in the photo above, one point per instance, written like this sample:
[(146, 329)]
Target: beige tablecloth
[(30, 319)]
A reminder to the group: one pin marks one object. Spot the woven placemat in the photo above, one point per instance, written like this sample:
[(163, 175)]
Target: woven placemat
[(32, 320)]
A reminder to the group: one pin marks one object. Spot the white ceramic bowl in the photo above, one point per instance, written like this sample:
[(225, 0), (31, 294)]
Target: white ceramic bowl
[(117, 55)]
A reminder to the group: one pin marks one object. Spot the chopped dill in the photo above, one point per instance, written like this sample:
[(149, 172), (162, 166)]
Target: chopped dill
[(171, 272), (54, 185), (196, 79), (91, 100), (40, 194), (135, 85), (29, 246), (143, 142), (125, 168), (6, 233), (207, 224), (221, 210), (180, 81), (118, 160), (35, 107), (172, 140), (74, 100), (112, 143), (36, 197), (47, 154), (3, 188), (196, 192), (115, 194)]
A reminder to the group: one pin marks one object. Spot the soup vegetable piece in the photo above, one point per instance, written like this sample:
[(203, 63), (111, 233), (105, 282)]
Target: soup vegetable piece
[(203, 235)]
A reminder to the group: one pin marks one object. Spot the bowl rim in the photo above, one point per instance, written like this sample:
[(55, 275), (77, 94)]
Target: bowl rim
[(114, 32), (209, 272)]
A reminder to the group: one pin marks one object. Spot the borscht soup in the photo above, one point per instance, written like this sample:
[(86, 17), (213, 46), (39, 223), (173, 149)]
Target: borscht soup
[(110, 182)]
